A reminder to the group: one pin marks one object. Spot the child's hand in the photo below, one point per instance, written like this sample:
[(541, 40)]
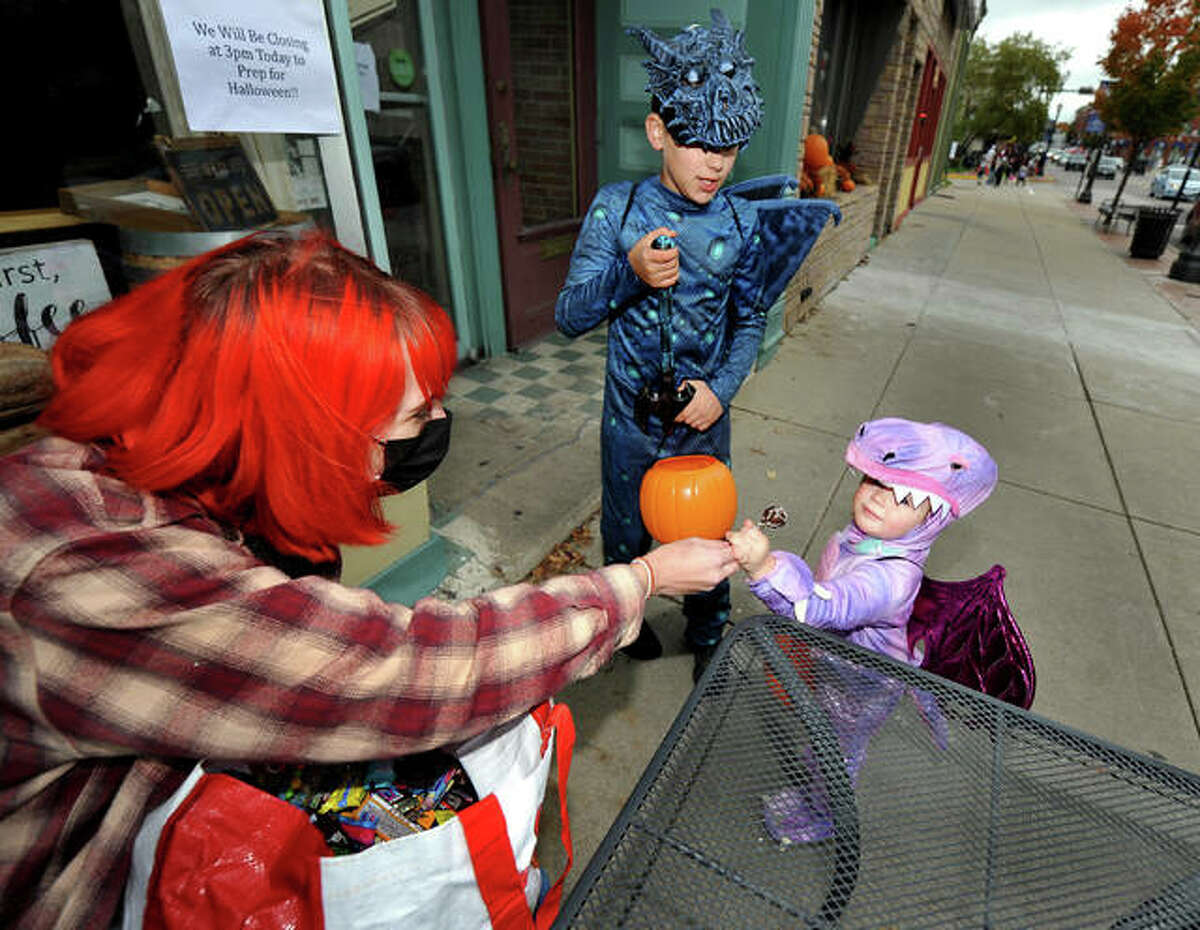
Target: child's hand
[(657, 267), (752, 550), (703, 410)]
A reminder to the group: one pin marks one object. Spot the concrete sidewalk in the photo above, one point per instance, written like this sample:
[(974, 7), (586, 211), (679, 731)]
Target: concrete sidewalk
[(1003, 313)]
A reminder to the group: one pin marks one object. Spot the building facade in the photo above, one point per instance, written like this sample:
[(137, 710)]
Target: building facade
[(881, 88)]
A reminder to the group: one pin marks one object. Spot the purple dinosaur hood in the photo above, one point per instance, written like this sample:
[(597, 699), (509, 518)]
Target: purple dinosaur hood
[(928, 460)]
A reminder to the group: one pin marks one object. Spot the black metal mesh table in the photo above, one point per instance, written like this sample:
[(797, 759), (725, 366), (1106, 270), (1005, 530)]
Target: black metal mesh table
[(807, 782)]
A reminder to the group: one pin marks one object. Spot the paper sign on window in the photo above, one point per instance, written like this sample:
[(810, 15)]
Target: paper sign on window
[(249, 67)]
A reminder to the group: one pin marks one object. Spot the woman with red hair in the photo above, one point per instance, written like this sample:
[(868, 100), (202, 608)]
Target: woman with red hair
[(168, 561)]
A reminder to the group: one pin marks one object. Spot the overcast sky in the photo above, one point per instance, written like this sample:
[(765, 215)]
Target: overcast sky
[(1083, 26)]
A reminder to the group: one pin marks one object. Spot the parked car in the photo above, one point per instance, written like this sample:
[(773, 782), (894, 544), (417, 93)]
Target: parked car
[(1166, 181), (1074, 161), (1108, 166)]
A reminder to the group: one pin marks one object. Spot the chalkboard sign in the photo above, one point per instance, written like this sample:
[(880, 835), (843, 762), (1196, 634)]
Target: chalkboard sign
[(221, 187)]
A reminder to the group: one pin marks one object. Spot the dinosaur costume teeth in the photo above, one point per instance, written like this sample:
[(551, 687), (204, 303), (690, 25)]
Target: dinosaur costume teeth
[(924, 461), (702, 80), (916, 497)]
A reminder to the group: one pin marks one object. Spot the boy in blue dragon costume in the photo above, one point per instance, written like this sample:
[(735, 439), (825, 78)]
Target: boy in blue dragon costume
[(684, 274)]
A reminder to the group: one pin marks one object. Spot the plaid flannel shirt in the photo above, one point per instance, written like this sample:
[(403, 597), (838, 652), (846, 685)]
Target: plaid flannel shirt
[(137, 635)]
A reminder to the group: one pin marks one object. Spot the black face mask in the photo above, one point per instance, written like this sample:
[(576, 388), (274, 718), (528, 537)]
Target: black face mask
[(408, 462)]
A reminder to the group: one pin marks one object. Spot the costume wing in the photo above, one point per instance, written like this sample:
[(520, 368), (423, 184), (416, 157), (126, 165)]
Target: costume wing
[(969, 635), (768, 187), (785, 230)]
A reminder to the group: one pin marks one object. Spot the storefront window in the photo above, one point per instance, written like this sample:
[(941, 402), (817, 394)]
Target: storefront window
[(540, 33), (89, 165), (856, 36), (84, 115), (402, 150)]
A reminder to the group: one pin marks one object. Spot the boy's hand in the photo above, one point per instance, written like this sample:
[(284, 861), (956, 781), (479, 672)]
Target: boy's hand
[(703, 410), (657, 267), (752, 550)]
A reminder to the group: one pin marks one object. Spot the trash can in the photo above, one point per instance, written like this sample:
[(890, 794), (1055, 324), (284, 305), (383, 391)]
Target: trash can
[(1153, 229)]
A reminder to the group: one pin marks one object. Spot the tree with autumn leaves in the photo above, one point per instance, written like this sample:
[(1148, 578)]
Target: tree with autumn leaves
[(1007, 88), (1154, 63)]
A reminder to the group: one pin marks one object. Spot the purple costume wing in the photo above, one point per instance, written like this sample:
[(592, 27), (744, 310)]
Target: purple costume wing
[(966, 632)]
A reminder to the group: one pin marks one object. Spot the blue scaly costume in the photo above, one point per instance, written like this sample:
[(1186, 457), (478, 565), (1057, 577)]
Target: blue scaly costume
[(736, 255)]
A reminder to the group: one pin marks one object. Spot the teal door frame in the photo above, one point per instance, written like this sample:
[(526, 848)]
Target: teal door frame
[(450, 40), (461, 149), (779, 35), (349, 171)]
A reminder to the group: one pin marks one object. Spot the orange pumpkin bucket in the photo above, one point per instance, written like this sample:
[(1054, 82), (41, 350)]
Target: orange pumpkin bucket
[(688, 495)]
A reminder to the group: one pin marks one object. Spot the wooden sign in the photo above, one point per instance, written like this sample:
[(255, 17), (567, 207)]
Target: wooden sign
[(221, 187)]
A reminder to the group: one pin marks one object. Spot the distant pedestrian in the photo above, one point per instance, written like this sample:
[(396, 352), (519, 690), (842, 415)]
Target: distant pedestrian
[(1022, 174)]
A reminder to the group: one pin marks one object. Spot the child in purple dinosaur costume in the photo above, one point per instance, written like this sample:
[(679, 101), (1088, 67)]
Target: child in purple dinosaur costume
[(917, 478)]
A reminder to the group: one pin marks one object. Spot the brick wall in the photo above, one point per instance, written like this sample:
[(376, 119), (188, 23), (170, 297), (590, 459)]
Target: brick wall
[(838, 250), (906, 78), (541, 66)]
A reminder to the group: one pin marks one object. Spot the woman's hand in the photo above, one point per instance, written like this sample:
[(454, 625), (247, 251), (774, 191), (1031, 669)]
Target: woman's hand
[(657, 267), (752, 550), (690, 566)]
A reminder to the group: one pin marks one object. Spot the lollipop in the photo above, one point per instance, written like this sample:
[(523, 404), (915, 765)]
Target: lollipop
[(773, 517)]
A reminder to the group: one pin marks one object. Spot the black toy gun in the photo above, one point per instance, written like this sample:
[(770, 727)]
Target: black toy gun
[(664, 399)]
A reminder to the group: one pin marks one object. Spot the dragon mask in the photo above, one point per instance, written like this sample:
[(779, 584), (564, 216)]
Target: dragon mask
[(703, 83)]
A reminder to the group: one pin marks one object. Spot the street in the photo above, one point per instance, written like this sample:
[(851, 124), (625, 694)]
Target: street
[(1136, 192)]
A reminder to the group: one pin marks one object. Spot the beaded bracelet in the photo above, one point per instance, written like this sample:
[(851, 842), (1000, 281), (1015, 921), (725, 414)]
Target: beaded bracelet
[(649, 574)]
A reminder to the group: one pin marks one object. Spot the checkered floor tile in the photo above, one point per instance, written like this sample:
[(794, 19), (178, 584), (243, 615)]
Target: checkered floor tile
[(553, 378)]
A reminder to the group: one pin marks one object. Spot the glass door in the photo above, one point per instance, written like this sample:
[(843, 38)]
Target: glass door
[(401, 146)]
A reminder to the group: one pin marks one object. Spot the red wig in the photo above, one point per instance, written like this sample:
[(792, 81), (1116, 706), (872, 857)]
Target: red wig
[(254, 377)]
